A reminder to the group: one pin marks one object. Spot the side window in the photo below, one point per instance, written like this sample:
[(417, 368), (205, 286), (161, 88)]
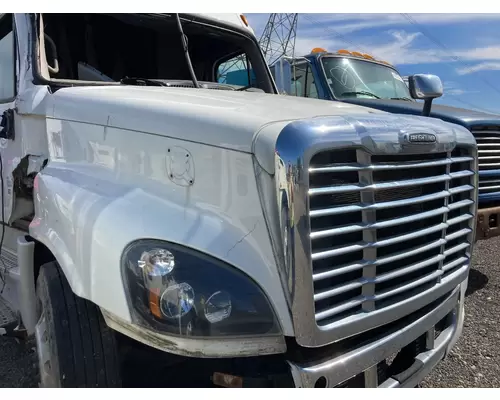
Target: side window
[(311, 90), (7, 58), (303, 84), (298, 77), (235, 71)]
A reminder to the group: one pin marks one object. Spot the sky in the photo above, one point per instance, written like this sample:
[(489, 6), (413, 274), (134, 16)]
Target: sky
[(462, 49)]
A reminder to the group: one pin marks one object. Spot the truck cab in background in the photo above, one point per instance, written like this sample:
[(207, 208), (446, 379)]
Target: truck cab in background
[(356, 78), (222, 233)]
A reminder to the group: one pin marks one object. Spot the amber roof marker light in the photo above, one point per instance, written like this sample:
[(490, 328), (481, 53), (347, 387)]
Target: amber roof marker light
[(318, 50), (244, 20)]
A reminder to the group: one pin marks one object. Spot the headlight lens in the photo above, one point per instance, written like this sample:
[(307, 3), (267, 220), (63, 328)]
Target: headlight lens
[(180, 291)]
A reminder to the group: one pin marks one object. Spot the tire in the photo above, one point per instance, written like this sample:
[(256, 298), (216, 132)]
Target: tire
[(75, 347)]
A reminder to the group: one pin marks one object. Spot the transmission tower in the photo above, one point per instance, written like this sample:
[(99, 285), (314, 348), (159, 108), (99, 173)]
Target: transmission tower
[(277, 40)]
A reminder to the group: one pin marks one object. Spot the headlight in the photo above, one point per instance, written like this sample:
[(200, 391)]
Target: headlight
[(180, 291)]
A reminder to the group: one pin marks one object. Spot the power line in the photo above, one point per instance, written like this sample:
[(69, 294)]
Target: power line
[(335, 33), (473, 106), (440, 44)]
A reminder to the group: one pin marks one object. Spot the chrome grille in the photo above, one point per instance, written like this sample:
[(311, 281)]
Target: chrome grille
[(488, 142), (385, 228)]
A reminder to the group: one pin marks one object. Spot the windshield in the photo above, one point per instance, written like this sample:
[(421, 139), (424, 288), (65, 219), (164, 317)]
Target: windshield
[(123, 47), (349, 77)]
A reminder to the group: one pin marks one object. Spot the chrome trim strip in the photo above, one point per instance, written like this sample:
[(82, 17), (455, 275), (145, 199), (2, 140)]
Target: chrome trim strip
[(380, 261), (380, 224), (381, 205), (385, 167), (394, 239), (390, 185)]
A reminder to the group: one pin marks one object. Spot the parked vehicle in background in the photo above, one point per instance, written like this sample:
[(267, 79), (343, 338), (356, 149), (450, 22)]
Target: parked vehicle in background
[(356, 78), (255, 239)]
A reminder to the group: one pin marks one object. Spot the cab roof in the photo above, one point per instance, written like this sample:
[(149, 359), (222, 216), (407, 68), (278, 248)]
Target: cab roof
[(234, 19)]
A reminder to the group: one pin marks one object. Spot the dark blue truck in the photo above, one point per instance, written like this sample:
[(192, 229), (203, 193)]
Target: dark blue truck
[(357, 78)]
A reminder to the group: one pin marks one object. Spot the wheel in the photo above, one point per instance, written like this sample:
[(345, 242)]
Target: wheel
[(75, 347)]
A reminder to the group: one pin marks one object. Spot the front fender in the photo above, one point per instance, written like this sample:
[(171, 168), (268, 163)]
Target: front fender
[(86, 213)]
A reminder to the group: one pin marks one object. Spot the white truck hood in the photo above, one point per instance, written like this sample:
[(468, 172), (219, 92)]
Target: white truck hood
[(228, 119)]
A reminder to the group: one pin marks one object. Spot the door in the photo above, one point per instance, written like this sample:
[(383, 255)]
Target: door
[(23, 146), (7, 102)]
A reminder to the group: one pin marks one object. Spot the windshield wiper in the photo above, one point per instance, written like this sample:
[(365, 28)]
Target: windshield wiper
[(245, 88), (141, 82), (184, 40), (360, 92), (401, 98), (250, 86)]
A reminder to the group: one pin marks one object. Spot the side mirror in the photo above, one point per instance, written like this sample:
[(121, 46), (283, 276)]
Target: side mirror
[(282, 71), (425, 87)]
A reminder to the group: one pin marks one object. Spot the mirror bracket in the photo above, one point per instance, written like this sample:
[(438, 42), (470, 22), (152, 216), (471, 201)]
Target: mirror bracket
[(426, 111)]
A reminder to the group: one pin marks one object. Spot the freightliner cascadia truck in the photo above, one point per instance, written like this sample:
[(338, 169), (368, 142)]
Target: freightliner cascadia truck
[(159, 223)]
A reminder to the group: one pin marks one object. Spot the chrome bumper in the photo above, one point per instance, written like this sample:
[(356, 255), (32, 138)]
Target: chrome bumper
[(364, 360)]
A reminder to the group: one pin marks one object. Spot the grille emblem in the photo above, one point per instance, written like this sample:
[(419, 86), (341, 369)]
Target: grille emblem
[(421, 138)]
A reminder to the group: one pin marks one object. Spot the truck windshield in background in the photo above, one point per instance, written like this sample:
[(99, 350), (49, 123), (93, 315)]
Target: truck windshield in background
[(237, 71), (358, 78)]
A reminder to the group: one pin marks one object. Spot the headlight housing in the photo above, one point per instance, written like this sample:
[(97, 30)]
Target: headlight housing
[(180, 291)]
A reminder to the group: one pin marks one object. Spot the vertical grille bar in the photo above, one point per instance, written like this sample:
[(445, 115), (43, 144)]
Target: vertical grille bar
[(368, 217), (445, 217)]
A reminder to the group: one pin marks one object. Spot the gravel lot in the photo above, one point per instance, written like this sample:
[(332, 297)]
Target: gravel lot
[(475, 361)]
